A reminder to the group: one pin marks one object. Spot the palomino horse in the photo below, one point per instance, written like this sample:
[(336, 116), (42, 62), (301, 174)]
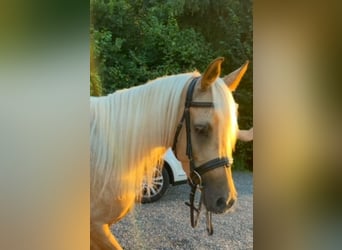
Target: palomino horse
[(131, 129)]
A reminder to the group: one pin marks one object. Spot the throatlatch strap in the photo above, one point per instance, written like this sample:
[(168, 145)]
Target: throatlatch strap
[(194, 217)]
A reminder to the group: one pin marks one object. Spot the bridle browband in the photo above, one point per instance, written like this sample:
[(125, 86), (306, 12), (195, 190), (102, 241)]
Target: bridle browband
[(196, 173)]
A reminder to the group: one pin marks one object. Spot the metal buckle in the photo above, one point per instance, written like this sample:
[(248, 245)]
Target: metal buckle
[(198, 176)]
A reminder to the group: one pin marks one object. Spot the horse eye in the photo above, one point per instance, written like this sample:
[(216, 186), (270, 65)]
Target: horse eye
[(202, 129)]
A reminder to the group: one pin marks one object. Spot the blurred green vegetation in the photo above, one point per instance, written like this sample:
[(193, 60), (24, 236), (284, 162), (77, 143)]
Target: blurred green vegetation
[(137, 41)]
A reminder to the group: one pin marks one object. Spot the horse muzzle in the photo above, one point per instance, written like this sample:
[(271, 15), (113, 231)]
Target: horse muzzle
[(218, 205)]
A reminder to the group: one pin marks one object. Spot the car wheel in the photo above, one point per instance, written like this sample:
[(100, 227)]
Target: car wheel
[(154, 191)]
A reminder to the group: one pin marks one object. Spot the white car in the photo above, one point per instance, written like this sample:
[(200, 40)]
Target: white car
[(171, 173)]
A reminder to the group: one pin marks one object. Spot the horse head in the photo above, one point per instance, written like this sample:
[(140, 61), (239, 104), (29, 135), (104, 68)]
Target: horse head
[(209, 135)]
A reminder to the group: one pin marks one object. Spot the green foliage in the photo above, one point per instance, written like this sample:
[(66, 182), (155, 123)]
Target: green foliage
[(136, 41), (140, 40), (95, 81), (243, 156)]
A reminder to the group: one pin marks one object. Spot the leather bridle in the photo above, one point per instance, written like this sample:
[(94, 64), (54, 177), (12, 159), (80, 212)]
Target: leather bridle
[(196, 173)]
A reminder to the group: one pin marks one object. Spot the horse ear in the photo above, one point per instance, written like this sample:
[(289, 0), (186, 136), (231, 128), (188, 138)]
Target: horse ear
[(233, 79), (211, 73)]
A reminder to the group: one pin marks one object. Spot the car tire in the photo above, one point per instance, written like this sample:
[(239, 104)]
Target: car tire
[(158, 187)]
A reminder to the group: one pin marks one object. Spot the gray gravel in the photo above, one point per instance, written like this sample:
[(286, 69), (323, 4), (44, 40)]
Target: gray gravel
[(165, 224)]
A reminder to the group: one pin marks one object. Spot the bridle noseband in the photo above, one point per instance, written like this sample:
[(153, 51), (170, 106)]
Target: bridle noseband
[(196, 173)]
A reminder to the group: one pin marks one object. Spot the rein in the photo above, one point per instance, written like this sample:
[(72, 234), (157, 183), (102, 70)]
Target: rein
[(195, 177)]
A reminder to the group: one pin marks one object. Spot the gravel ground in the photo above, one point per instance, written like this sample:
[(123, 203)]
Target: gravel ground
[(165, 224)]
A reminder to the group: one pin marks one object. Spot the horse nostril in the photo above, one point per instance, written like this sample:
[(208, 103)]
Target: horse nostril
[(221, 203), (231, 203)]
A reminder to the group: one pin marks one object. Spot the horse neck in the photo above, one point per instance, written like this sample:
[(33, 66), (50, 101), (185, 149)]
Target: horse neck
[(130, 131)]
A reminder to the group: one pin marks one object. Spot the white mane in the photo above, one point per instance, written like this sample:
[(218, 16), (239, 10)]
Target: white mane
[(130, 131), (224, 101)]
